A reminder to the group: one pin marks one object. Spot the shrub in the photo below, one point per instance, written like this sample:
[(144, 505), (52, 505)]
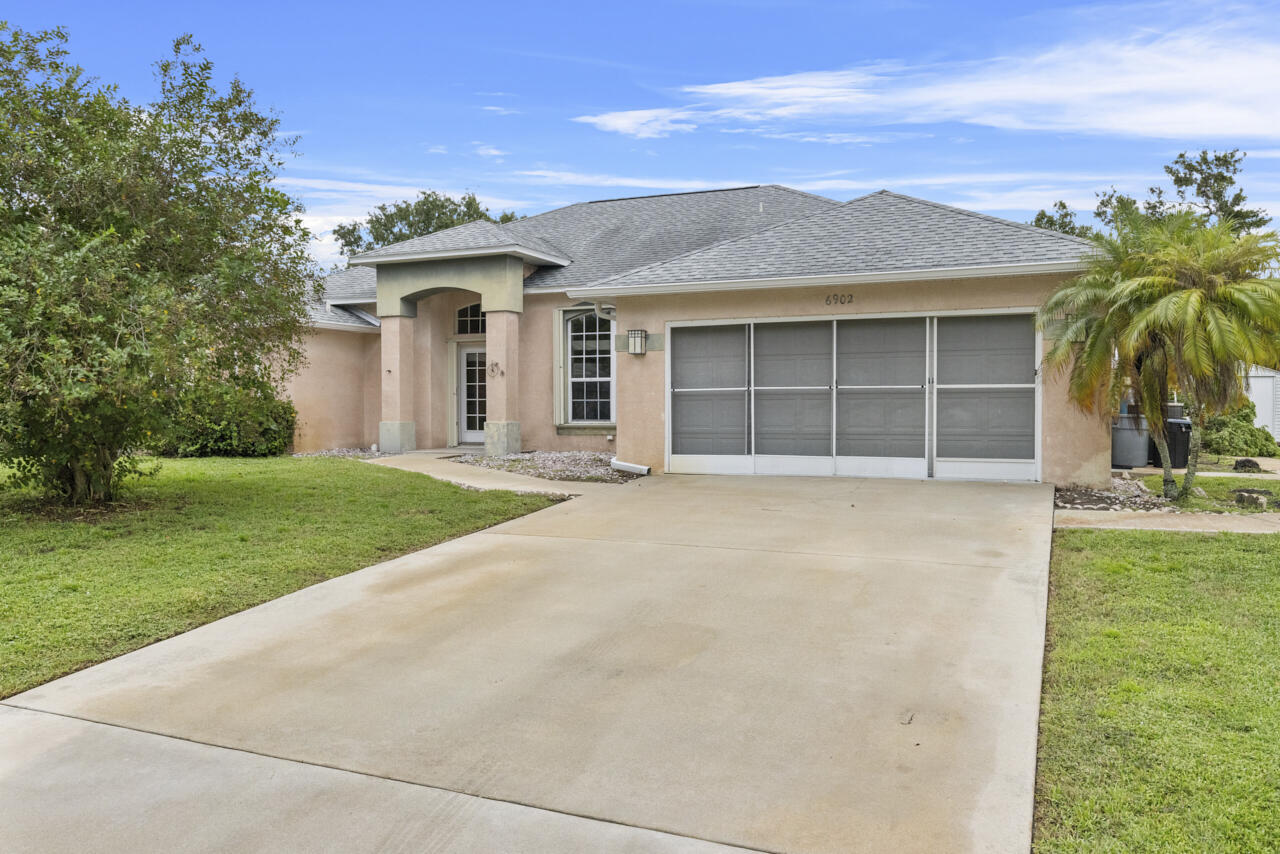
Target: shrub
[(228, 420), (1235, 435)]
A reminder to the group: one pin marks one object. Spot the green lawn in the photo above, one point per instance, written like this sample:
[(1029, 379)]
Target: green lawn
[(1218, 495), (1160, 720), (203, 539)]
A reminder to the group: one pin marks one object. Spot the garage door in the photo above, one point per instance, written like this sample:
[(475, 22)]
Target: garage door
[(901, 397)]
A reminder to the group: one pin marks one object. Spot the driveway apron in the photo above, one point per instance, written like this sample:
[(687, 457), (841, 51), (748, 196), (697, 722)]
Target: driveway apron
[(679, 664)]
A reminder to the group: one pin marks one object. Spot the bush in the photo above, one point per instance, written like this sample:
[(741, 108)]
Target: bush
[(227, 420), (1235, 435)]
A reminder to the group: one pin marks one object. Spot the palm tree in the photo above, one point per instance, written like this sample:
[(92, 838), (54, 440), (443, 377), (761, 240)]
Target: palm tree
[(1210, 311), (1167, 303)]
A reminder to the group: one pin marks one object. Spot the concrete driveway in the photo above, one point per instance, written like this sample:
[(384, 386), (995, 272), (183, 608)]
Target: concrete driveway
[(679, 664)]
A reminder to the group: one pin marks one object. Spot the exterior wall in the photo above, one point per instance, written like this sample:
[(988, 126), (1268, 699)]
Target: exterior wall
[(1076, 447), (338, 391), (436, 371)]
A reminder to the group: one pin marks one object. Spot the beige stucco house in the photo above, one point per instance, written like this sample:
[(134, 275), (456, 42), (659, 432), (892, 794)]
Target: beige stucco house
[(751, 330)]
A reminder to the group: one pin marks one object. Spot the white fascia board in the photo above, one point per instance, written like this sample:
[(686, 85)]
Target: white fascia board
[(523, 252), (345, 301), (938, 273), (344, 327)]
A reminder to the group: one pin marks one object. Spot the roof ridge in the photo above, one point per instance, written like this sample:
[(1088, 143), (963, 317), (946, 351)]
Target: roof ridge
[(802, 193), (677, 193), (988, 217), (719, 243)]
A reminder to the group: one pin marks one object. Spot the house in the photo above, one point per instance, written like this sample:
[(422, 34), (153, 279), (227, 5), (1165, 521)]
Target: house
[(750, 330), (1264, 391)]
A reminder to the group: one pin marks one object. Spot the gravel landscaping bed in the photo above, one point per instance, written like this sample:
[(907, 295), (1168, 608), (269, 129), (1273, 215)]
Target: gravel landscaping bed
[(1125, 494), (554, 465), (358, 453)]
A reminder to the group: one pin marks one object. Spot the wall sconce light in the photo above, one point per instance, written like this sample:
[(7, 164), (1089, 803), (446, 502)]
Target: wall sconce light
[(636, 341)]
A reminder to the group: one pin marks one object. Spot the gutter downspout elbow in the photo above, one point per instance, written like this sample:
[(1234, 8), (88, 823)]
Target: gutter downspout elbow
[(633, 468)]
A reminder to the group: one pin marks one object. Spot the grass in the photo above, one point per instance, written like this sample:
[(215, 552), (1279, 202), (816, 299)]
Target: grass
[(1218, 495), (204, 539), (1160, 720)]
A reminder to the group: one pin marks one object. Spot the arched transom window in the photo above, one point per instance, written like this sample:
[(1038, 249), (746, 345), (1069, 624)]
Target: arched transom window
[(470, 320)]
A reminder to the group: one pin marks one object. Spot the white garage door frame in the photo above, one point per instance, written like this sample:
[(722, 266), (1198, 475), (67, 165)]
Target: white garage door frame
[(930, 465)]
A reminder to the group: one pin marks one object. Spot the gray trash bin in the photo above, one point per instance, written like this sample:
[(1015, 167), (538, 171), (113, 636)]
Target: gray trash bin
[(1129, 438)]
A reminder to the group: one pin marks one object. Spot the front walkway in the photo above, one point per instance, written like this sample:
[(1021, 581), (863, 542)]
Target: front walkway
[(677, 664)]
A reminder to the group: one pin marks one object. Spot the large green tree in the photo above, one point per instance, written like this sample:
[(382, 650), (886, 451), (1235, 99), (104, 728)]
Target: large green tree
[(143, 249), (1204, 185), (1168, 302), (428, 213)]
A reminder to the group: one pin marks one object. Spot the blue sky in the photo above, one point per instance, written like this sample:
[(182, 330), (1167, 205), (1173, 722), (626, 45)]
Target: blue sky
[(998, 107)]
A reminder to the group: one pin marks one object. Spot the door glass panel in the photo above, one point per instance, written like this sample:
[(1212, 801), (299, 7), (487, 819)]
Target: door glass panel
[(982, 350), (986, 423), (709, 357), (795, 423), (792, 354), (880, 352), (709, 422), (473, 391), (880, 423)]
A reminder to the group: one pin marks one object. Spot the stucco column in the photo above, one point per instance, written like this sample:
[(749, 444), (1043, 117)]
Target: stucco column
[(396, 430), (502, 383)]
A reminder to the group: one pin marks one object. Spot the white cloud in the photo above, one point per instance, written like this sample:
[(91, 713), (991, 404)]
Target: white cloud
[(485, 150), (437, 149), (330, 201), (500, 111), (646, 124), (586, 179), (1220, 78)]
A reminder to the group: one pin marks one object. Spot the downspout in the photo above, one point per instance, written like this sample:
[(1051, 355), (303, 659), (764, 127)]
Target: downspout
[(610, 313)]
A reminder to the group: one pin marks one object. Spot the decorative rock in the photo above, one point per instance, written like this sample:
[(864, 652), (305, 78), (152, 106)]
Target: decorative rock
[(1246, 464), (1251, 500)]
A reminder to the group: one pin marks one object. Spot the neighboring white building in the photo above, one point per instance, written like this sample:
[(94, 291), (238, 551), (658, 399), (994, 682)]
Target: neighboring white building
[(1264, 391)]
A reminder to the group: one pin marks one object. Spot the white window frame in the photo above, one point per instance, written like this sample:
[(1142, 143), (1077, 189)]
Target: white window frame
[(564, 383)]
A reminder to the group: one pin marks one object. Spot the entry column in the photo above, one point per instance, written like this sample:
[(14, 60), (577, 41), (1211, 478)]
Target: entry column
[(502, 389), (396, 432)]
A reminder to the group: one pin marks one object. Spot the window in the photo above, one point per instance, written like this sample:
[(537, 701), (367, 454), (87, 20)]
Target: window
[(589, 363), (470, 320)]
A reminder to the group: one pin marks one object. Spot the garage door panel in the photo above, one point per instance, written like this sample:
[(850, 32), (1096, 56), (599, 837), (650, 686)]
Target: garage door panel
[(793, 423), (986, 350), (881, 352), (709, 423), (996, 424), (709, 357), (880, 423), (792, 354)]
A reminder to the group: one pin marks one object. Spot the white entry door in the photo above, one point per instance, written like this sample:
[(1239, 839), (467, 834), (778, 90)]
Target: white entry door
[(471, 395)]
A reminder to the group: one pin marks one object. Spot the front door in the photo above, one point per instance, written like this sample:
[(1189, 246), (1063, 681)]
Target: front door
[(471, 397)]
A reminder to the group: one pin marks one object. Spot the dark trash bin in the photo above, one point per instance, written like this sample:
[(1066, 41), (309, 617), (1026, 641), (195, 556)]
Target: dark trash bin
[(1178, 433)]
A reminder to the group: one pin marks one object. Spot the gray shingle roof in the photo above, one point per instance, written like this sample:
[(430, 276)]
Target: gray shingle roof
[(608, 237), (480, 234), (879, 233), (335, 315), (352, 283)]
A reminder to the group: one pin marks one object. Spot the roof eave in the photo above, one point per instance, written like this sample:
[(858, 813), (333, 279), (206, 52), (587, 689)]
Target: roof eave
[(343, 327), (924, 275), (533, 256)]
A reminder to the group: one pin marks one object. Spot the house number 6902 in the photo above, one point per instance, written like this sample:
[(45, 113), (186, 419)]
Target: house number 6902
[(839, 299)]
